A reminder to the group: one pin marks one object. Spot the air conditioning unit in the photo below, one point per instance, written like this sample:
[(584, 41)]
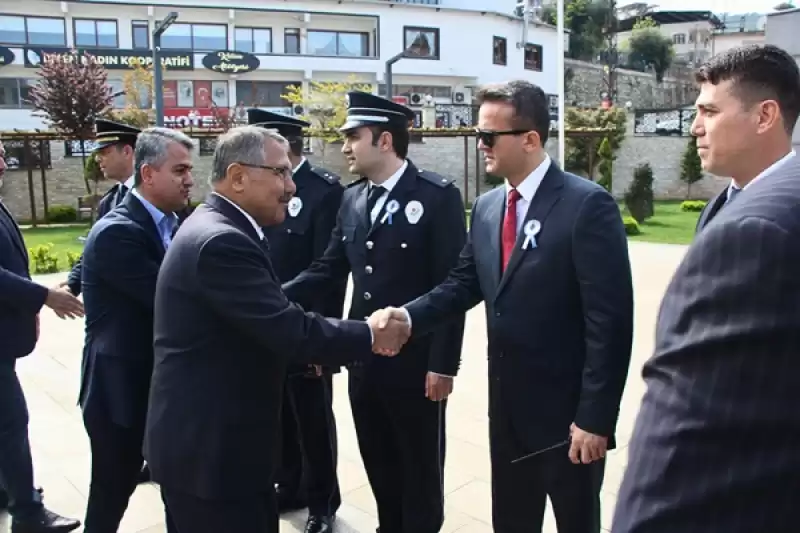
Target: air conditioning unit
[(462, 95), (416, 99)]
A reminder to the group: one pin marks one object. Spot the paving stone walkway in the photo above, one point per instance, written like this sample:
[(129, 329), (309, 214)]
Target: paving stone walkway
[(61, 450)]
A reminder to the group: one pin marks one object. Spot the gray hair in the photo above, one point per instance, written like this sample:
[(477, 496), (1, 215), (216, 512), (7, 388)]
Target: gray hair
[(152, 146), (244, 144)]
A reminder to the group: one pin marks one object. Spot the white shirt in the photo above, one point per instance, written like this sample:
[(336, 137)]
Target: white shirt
[(769, 170), (527, 189), (300, 164), (388, 185), (258, 229), (129, 182)]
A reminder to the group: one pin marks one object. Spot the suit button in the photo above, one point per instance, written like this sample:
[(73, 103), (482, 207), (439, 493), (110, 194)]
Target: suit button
[(370, 244), (344, 238), (404, 245), (289, 230), (367, 296), (497, 314), (368, 269)]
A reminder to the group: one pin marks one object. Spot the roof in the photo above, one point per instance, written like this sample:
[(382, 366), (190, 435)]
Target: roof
[(742, 22), (671, 17), (784, 12)]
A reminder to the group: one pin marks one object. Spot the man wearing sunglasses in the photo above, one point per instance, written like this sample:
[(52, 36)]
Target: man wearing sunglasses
[(548, 256), (399, 231)]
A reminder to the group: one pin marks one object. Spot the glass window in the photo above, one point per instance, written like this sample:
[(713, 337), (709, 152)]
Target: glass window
[(253, 40), (46, 32), (333, 43), (140, 34), (95, 33), (499, 51), (12, 30), (291, 41), (353, 44), (9, 92), (422, 43), (262, 93), (117, 86), (177, 36), (209, 37), (533, 57)]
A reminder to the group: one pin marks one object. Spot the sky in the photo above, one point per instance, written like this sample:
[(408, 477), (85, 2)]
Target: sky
[(717, 6)]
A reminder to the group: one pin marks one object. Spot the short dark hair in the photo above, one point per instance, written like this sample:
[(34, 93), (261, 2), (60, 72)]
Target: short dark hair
[(400, 138), (530, 104), (296, 145), (758, 72)]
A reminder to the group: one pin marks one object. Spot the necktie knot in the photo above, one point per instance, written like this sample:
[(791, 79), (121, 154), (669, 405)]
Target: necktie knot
[(513, 197)]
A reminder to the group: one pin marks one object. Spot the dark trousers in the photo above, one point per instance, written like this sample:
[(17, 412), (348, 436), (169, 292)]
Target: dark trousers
[(252, 513), (116, 463), (309, 449), (16, 465), (401, 436), (520, 490)]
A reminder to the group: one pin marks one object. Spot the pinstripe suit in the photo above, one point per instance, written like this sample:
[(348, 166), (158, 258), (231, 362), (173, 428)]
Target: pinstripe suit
[(716, 446)]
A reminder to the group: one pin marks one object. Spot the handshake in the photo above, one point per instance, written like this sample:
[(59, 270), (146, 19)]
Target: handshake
[(390, 330)]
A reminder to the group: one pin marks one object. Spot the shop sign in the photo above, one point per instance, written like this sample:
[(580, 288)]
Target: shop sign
[(184, 117), (110, 59), (6, 56), (231, 62)]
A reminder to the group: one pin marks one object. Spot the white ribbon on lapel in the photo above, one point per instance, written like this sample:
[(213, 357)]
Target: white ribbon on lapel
[(531, 229), (391, 208)]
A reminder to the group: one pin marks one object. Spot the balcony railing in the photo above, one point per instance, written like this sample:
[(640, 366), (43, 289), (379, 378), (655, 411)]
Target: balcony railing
[(418, 2)]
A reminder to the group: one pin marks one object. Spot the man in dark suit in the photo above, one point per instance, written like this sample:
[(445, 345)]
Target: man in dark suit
[(224, 336), (114, 153), (715, 446), (122, 257), (307, 470), (548, 256), (399, 232), (20, 302)]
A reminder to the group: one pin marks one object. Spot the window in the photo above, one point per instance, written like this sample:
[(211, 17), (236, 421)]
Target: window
[(96, 33), (203, 37), (437, 91), (140, 34), (422, 43), (39, 31), (14, 92), (680, 38), (253, 40), (263, 93), (533, 57), (291, 41), (338, 43), (499, 51)]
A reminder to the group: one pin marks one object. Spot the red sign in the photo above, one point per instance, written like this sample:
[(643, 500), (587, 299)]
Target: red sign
[(202, 93), (185, 117), (170, 93), (402, 100)]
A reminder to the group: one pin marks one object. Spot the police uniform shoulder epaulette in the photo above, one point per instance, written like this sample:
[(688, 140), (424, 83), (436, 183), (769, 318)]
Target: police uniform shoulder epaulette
[(359, 181), (433, 177), (326, 175)]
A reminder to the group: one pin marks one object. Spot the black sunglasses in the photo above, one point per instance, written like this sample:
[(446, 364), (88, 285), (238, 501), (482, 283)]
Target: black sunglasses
[(489, 137)]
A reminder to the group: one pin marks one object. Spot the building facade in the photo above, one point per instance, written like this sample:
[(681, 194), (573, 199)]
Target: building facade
[(781, 30), (453, 47)]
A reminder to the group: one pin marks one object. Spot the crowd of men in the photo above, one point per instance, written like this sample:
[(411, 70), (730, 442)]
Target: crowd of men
[(211, 338)]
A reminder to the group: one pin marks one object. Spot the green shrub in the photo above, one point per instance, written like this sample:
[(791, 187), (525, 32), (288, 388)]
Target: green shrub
[(631, 226), (693, 206), (72, 258), (44, 260), (60, 214), (606, 166), (639, 197)]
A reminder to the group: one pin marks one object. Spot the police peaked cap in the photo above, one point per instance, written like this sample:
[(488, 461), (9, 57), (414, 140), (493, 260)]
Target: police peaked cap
[(108, 132), (365, 109), (286, 125)]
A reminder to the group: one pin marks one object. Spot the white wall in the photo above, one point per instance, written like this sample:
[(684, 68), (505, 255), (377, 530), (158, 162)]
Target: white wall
[(726, 41), (782, 29), (684, 28)]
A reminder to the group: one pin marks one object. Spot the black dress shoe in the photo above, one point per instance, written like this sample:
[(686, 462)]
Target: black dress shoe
[(44, 521), (319, 524), (144, 475)]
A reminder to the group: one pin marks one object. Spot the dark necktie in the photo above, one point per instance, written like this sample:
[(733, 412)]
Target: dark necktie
[(510, 226), (120, 194), (375, 192)]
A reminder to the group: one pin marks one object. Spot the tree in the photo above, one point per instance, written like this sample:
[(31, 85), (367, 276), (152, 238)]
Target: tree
[(325, 105), (691, 167), (586, 21), (639, 197), (783, 6), (606, 166), (139, 93), (70, 93), (580, 151), (648, 48)]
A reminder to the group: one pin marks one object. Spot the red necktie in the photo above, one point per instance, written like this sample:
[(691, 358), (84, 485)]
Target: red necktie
[(510, 226)]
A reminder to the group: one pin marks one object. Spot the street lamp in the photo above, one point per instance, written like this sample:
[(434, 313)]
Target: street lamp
[(388, 76), (562, 90), (159, 30)]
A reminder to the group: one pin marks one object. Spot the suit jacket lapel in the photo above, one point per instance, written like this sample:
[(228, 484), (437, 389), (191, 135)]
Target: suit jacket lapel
[(406, 183), (226, 208), (14, 231), (543, 201), (712, 209), (139, 213), (495, 211)]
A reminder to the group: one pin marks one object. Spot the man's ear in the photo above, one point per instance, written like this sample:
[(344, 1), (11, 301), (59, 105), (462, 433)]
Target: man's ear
[(235, 173)]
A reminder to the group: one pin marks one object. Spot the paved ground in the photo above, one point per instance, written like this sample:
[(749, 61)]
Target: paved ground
[(61, 450)]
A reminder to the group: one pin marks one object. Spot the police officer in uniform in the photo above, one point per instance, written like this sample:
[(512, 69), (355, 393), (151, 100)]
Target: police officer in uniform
[(399, 231), (307, 473)]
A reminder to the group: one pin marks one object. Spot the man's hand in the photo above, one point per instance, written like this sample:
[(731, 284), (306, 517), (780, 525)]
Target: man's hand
[(585, 447), (62, 284), (64, 304), (437, 387), (389, 334), (388, 314)]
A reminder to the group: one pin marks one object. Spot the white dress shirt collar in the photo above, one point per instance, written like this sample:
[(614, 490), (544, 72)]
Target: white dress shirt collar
[(300, 164), (393, 179), (769, 170), (129, 182), (258, 229), (527, 189)]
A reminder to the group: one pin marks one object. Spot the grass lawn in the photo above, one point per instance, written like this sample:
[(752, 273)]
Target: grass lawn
[(63, 238), (669, 225)]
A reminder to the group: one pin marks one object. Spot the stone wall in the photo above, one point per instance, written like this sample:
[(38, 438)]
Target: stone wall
[(443, 155), (585, 82)]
